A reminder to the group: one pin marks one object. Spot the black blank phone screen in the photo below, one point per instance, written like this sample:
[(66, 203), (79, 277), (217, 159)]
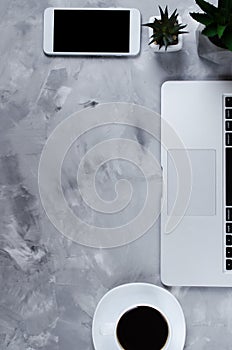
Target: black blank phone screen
[(91, 31)]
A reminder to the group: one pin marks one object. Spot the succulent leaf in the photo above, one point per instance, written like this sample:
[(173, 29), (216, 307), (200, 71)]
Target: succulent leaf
[(174, 15), (210, 30), (161, 12), (151, 25), (181, 26), (203, 18), (166, 43), (206, 7), (220, 30)]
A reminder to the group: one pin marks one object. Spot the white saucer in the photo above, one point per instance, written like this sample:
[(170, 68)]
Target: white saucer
[(122, 298)]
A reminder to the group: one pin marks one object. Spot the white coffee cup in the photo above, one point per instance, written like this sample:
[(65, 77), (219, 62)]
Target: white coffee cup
[(123, 299)]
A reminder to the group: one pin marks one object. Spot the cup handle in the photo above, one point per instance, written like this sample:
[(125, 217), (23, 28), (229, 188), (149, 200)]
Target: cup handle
[(107, 329)]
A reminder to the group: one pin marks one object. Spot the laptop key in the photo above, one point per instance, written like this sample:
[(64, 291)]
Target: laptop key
[(228, 240), (229, 252), (228, 264), (228, 101), (228, 228), (228, 113), (228, 214), (228, 139), (228, 125)]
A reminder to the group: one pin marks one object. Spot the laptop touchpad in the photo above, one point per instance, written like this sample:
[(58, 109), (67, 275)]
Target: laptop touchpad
[(203, 195)]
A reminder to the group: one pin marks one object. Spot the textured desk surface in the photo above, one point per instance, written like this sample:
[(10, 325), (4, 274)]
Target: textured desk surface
[(49, 285)]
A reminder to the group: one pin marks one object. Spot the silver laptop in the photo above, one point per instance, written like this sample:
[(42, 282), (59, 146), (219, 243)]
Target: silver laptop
[(196, 156)]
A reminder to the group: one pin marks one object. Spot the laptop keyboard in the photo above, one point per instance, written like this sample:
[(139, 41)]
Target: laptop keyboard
[(228, 181)]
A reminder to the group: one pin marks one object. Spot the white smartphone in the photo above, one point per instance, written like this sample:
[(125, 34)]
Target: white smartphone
[(92, 31)]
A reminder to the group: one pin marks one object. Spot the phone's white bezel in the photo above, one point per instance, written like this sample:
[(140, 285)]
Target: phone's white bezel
[(135, 33)]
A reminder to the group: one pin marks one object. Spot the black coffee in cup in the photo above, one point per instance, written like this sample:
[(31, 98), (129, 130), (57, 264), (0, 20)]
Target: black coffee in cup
[(142, 328)]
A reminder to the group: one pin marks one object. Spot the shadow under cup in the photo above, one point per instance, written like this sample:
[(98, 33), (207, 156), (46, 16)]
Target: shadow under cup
[(142, 327)]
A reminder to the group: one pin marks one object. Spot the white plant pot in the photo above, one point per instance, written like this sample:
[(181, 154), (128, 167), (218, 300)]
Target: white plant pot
[(171, 48)]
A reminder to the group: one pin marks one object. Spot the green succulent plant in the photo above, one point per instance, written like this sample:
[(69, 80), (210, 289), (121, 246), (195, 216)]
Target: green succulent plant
[(166, 29), (217, 22)]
